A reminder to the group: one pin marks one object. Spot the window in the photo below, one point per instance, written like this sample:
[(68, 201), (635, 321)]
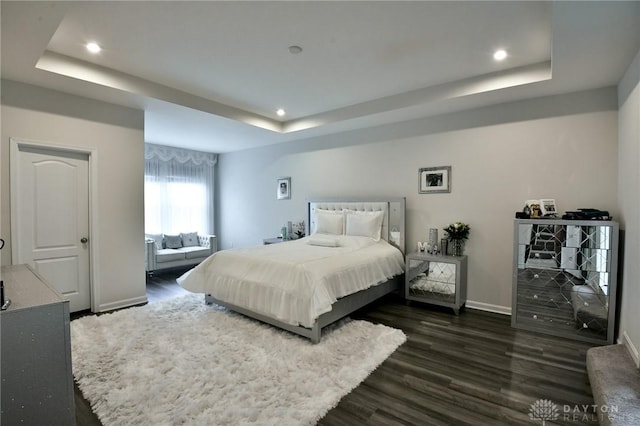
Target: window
[(178, 190)]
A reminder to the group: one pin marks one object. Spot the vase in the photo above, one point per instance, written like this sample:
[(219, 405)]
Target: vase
[(444, 246), (432, 246), (457, 248)]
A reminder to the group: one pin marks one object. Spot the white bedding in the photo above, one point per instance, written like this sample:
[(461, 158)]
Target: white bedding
[(295, 282)]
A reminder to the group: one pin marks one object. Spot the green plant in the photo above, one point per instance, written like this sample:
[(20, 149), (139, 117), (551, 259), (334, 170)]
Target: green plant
[(457, 231)]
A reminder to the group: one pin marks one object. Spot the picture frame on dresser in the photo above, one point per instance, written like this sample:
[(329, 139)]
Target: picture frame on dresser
[(434, 180), (548, 207)]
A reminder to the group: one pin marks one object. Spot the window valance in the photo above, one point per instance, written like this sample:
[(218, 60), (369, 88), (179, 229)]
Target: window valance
[(178, 190), (181, 155)]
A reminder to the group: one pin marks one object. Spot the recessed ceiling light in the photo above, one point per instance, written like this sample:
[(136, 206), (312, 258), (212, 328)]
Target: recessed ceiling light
[(281, 112), (93, 47), (294, 50), (499, 55)]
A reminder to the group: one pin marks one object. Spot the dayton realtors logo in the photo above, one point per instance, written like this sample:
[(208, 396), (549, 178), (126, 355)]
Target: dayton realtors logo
[(544, 410)]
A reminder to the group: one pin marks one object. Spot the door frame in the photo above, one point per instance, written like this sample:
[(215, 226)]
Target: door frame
[(92, 154)]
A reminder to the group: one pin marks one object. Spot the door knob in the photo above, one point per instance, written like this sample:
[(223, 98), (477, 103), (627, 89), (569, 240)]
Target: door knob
[(84, 240)]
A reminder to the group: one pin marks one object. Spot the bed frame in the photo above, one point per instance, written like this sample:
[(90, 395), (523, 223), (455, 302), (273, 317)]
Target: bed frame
[(392, 231)]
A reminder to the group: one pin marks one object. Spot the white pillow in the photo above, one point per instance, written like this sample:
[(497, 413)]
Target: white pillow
[(323, 241), (364, 224), (329, 222)]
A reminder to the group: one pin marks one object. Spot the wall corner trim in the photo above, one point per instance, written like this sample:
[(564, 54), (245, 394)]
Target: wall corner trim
[(633, 351), (497, 309)]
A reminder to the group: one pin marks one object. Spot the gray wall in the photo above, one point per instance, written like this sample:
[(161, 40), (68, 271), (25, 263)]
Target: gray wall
[(117, 135), (629, 194), (562, 147)]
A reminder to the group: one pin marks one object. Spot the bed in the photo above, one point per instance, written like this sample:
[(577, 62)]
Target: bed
[(354, 255)]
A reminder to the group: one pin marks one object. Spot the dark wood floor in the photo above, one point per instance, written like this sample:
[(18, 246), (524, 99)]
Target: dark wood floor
[(471, 369), (162, 286)]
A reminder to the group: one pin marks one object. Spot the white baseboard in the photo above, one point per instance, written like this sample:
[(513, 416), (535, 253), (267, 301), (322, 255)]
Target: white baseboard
[(504, 310), (122, 304), (633, 351)]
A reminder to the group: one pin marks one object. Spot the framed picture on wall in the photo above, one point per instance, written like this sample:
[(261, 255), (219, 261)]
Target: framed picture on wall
[(434, 179), (284, 188)]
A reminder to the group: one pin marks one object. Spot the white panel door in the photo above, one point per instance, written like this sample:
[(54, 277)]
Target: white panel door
[(52, 197)]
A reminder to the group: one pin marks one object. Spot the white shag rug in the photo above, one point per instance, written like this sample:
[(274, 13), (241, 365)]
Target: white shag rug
[(184, 362)]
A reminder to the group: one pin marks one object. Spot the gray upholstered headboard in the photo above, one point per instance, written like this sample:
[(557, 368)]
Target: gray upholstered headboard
[(393, 230)]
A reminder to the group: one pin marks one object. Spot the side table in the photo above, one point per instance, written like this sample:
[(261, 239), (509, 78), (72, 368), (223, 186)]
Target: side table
[(436, 279)]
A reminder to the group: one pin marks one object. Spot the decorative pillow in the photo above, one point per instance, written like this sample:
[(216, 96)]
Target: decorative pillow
[(190, 239), (329, 222), (323, 241), (364, 224), (157, 238), (173, 241)]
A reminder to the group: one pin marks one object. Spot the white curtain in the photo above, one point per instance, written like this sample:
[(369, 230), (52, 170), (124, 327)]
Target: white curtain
[(178, 190)]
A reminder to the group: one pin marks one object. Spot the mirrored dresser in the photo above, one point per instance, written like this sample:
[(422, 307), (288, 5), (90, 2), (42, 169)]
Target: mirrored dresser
[(564, 278)]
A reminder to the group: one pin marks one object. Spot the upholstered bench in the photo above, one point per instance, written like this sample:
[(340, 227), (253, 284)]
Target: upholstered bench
[(164, 251), (615, 384)]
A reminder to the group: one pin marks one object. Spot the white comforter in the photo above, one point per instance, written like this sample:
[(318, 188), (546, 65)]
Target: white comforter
[(295, 282)]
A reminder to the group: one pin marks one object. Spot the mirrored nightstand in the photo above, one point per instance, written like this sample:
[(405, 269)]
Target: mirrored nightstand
[(436, 279)]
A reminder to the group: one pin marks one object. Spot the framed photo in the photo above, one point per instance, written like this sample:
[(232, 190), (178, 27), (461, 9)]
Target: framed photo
[(548, 207), (434, 179), (284, 188), (535, 208)]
